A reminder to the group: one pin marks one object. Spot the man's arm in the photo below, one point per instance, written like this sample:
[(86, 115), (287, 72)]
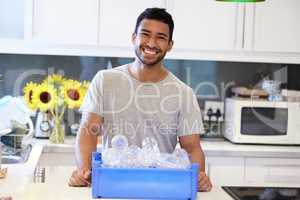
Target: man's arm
[(86, 143), (191, 143)]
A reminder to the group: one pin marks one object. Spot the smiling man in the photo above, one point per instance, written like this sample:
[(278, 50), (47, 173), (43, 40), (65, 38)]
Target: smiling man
[(141, 99)]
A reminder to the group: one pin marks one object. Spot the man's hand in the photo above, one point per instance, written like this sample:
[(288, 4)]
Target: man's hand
[(191, 143), (204, 184), (80, 178)]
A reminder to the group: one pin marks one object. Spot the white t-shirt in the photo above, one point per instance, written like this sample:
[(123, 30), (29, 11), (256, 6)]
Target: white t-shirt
[(163, 110)]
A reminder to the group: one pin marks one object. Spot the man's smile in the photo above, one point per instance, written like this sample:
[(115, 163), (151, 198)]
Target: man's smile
[(149, 51)]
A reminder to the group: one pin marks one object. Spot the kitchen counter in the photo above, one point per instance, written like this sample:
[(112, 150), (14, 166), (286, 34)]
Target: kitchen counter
[(56, 188), (18, 182), (19, 175), (210, 148), (226, 148)]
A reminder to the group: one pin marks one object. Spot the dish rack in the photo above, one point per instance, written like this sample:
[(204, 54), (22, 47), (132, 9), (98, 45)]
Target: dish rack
[(143, 183)]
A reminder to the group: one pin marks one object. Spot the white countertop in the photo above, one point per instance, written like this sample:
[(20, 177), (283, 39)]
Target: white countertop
[(210, 148), (56, 188), (19, 175), (18, 182), (226, 148)]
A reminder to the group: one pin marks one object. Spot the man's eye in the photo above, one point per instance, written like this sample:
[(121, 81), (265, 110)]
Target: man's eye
[(162, 38), (144, 34)]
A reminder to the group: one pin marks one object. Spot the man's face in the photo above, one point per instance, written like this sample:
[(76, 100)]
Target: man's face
[(151, 42)]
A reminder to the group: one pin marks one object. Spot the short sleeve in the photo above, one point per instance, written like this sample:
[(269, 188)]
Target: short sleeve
[(189, 116), (93, 101)]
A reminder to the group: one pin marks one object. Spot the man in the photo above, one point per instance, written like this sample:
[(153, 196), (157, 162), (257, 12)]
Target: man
[(141, 99)]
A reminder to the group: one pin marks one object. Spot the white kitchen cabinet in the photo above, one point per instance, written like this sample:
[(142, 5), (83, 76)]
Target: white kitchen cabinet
[(272, 171), (12, 19), (206, 25), (273, 26), (204, 29), (118, 18), (64, 22), (225, 170), (253, 171)]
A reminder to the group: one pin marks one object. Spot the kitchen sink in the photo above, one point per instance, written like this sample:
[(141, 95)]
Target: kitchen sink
[(11, 159), (16, 157)]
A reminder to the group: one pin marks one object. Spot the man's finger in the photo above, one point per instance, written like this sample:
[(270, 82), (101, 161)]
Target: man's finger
[(85, 182), (87, 174), (203, 179), (77, 179), (74, 182), (205, 187), (84, 177), (204, 182), (77, 182)]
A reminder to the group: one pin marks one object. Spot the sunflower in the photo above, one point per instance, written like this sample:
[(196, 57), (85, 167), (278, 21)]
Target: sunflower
[(28, 92), (55, 79), (45, 97), (85, 84), (74, 93)]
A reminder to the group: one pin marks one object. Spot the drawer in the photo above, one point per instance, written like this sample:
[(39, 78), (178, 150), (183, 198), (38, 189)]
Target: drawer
[(272, 171), (225, 171)]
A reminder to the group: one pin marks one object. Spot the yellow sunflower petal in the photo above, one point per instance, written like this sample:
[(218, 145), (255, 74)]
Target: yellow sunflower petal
[(45, 97), (73, 93), (54, 79), (85, 84), (28, 93)]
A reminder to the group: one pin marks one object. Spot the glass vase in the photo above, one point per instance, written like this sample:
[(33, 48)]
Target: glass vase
[(58, 132)]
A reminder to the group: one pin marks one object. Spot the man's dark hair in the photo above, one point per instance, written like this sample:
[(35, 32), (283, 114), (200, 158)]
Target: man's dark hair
[(159, 14)]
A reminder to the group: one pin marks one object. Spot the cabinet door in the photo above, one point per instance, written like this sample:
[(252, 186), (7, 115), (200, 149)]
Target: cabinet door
[(225, 170), (118, 18), (65, 21), (205, 24), (11, 19), (272, 171), (274, 26)]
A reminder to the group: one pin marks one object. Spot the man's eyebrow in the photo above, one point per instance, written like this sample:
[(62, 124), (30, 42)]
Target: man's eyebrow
[(163, 34), (145, 30)]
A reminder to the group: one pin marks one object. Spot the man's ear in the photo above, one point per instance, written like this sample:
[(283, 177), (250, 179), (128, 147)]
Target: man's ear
[(170, 45), (133, 37)]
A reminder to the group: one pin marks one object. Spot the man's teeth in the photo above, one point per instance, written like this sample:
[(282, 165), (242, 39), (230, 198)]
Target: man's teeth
[(150, 52)]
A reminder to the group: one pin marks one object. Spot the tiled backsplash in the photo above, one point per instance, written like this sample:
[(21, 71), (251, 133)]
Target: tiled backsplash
[(209, 79)]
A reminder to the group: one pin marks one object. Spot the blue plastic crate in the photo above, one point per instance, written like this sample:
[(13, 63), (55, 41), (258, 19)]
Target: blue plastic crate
[(143, 183)]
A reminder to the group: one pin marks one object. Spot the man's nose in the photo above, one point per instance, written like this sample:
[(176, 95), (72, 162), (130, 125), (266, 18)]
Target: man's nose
[(152, 42)]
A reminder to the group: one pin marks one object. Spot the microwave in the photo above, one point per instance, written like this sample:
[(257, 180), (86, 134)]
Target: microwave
[(259, 121)]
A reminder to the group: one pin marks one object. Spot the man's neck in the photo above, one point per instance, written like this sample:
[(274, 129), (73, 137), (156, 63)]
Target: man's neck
[(144, 73)]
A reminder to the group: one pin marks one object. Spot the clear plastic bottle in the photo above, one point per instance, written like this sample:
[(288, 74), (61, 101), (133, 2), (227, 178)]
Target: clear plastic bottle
[(150, 152), (119, 142), (182, 158)]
